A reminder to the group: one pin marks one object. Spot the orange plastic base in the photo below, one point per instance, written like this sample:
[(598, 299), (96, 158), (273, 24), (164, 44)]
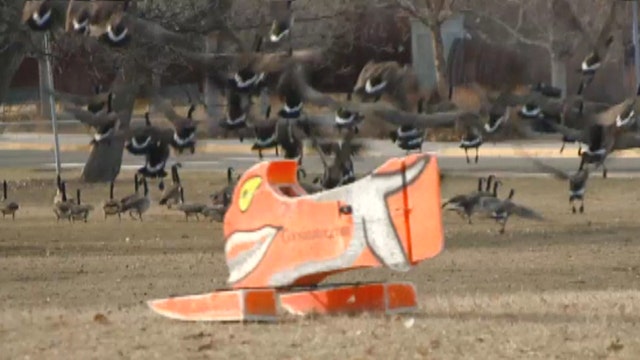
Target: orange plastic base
[(390, 298), (227, 305)]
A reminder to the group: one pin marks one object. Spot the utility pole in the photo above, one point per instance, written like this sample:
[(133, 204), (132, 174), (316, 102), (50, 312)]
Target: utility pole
[(52, 103)]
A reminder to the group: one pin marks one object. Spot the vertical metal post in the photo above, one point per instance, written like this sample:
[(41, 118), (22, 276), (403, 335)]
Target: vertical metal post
[(636, 45), (52, 103)]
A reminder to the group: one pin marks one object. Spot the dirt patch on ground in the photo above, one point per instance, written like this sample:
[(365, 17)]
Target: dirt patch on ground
[(564, 288)]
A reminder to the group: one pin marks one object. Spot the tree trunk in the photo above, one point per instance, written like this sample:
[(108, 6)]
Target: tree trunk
[(10, 60), (440, 62), (559, 74), (105, 159), (12, 44), (212, 94)]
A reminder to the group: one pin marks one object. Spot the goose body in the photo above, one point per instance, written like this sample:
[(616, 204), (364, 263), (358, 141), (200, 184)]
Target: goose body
[(111, 207), (80, 211), (62, 208), (502, 210), (138, 204), (189, 209), (171, 195)]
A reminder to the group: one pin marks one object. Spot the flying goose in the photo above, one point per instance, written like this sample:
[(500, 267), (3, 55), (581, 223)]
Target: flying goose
[(139, 140), (599, 46), (78, 16), (104, 122), (577, 181), (111, 207), (266, 134), (340, 171), (602, 135), (282, 19), (391, 78), (184, 135), (7, 207), (250, 68), (113, 23), (138, 204), (189, 209), (171, 195), (43, 15)]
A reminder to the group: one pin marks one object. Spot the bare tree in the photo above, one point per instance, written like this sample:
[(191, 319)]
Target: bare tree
[(555, 26), (432, 13)]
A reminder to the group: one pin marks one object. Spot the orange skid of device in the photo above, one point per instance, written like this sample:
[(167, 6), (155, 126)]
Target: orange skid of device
[(279, 237)]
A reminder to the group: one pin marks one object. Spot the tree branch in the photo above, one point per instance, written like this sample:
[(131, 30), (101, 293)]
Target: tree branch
[(515, 34)]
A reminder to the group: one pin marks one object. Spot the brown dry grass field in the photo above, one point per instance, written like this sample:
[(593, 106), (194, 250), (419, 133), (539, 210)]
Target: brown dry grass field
[(567, 288)]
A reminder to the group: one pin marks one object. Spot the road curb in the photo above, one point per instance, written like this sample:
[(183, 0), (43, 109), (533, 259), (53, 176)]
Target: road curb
[(242, 148)]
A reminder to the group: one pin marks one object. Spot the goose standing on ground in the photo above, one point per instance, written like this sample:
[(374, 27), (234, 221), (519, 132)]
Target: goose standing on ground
[(7, 207), (171, 195), (138, 204), (216, 212), (218, 197), (136, 192), (189, 209), (62, 207), (466, 204), (111, 207), (80, 211)]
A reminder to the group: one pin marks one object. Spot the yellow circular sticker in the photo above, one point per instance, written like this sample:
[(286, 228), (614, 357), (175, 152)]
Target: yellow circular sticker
[(247, 191)]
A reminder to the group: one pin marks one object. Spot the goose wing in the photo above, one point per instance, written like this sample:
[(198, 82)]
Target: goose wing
[(79, 100), (525, 212), (626, 140), (94, 120), (298, 77), (434, 120), (580, 135)]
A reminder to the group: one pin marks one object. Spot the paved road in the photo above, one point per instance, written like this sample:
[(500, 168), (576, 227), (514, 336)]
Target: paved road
[(500, 158)]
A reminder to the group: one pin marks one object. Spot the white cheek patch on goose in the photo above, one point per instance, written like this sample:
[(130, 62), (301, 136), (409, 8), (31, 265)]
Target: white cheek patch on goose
[(530, 112), (277, 37), (491, 129), (597, 152), (344, 120), (590, 68), (266, 142), (116, 38), (579, 192), (137, 145), (373, 89), (471, 143), (81, 25), (41, 20), (244, 83), (99, 137), (184, 141), (620, 122), (409, 133), (292, 109), (154, 169), (240, 119)]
